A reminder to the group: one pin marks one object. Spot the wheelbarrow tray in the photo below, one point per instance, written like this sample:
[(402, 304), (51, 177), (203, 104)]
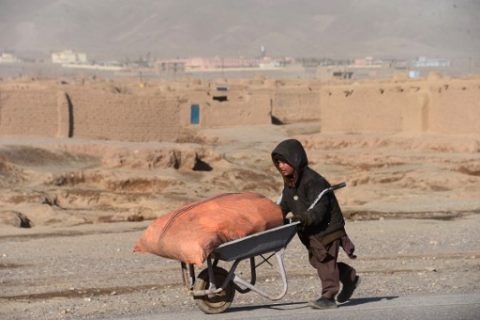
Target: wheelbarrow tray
[(256, 244)]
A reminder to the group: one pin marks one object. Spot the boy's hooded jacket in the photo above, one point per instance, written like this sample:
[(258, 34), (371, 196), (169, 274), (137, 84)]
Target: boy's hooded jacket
[(325, 219)]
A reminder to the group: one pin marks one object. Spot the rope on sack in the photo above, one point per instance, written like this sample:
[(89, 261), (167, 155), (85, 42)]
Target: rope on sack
[(185, 210)]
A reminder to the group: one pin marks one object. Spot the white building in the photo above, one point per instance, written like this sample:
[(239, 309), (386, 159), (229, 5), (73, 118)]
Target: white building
[(69, 57), (431, 62), (8, 58)]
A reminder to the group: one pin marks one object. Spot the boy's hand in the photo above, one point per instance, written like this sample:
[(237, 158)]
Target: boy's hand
[(306, 220)]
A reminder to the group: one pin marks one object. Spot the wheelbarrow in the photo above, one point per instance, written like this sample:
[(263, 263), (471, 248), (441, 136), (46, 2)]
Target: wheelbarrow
[(214, 288)]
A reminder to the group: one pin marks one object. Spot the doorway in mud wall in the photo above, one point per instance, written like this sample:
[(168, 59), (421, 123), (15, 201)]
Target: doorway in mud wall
[(194, 114)]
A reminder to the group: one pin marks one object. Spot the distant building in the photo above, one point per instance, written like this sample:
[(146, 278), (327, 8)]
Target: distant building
[(170, 66), (424, 62), (400, 64), (220, 63), (69, 57), (413, 74), (342, 74), (367, 61), (199, 64), (8, 58)]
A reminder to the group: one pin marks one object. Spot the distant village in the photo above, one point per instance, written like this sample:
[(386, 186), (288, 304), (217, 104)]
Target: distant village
[(360, 67)]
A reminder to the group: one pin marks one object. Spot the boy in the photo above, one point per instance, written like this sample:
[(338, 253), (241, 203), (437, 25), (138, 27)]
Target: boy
[(322, 227)]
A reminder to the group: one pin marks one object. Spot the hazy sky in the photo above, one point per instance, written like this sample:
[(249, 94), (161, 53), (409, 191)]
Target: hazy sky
[(298, 28)]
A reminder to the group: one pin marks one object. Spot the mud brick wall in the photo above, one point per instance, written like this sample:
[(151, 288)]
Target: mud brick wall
[(455, 107), (436, 106), (104, 115), (349, 108), (252, 110), (28, 112), (241, 109), (291, 105)]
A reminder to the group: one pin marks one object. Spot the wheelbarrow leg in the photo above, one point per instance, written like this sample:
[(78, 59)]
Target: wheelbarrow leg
[(188, 275), (253, 275), (281, 269), (211, 275)]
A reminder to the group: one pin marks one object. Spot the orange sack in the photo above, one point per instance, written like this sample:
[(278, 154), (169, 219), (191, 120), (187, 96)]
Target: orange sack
[(191, 233)]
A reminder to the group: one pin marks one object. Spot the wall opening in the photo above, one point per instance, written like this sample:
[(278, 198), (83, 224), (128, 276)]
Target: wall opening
[(195, 114), (220, 98), (343, 74)]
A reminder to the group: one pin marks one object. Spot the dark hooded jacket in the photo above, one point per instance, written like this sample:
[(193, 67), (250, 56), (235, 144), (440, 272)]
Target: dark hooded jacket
[(325, 219)]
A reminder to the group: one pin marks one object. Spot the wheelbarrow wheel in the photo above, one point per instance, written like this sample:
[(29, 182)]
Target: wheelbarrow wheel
[(219, 302)]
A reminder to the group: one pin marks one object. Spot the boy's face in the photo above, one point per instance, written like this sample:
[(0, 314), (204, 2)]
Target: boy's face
[(285, 169)]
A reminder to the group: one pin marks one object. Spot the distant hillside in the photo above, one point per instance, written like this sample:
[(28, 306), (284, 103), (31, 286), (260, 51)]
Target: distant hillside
[(298, 28)]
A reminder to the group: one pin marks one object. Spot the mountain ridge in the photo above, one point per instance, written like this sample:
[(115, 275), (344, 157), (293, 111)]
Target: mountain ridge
[(185, 28)]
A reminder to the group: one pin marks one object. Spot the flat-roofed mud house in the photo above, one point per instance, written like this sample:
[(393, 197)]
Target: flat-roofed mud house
[(166, 110)]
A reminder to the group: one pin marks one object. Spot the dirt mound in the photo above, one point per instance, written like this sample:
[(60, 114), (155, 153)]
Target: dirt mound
[(56, 183), (420, 143), (14, 218), (30, 156), (10, 174), (68, 182)]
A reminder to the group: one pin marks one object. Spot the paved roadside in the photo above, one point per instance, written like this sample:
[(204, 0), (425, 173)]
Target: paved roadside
[(427, 307)]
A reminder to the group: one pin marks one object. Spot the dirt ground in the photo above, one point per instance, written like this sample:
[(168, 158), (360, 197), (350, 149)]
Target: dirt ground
[(90, 272), (412, 204)]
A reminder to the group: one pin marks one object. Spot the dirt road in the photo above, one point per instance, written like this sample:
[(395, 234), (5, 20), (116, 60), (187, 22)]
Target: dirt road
[(90, 272)]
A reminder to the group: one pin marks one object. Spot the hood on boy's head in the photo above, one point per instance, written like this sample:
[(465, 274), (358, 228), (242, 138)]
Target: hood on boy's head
[(292, 152)]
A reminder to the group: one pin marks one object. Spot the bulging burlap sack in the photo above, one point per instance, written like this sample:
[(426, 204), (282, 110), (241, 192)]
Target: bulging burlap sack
[(191, 233)]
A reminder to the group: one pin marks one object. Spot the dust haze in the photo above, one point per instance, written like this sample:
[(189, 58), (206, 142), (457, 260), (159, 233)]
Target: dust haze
[(113, 113), (117, 29)]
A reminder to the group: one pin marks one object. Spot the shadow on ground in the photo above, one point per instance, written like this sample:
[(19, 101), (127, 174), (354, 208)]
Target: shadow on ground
[(304, 304)]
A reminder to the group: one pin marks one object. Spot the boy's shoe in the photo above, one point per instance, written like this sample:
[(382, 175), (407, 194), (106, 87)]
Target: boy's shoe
[(347, 290), (323, 303)]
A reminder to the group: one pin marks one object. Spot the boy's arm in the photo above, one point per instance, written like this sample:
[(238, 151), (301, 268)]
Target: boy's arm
[(317, 214), (283, 205)]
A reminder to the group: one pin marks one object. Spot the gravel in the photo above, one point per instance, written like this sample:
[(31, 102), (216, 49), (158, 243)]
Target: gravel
[(90, 272)]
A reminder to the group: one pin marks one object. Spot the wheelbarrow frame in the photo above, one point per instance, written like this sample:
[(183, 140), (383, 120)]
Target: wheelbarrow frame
[(273, 241)]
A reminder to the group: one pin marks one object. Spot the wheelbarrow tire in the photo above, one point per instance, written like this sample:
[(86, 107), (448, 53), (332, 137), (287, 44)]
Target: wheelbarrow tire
[(219, 302)]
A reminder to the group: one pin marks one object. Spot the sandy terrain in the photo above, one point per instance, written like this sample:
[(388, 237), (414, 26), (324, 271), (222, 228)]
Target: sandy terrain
[(66, 182), (412, 202)]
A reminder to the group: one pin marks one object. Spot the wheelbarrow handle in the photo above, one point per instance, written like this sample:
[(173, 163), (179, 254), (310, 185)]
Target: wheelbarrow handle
[(331, 188), (338, 186)]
